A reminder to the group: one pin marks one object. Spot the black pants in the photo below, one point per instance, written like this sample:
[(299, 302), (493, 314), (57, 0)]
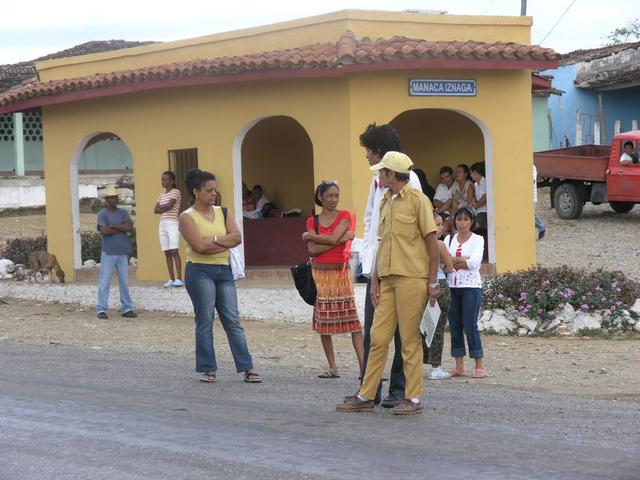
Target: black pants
[(397, 380)]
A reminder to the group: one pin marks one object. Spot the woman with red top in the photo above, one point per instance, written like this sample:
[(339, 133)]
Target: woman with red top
[(335, 307)]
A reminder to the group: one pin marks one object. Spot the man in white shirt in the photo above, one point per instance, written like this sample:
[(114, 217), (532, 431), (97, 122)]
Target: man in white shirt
[(443, 198), (378, 140)]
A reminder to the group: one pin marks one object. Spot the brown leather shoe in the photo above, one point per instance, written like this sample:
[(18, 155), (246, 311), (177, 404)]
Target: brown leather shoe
[(407, 407), (354, 404)]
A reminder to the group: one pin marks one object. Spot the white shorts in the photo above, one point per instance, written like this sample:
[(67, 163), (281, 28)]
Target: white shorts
[(169, 235)]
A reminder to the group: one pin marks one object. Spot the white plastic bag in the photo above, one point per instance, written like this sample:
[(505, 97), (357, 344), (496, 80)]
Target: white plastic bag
[(429, 321), (237, 263)]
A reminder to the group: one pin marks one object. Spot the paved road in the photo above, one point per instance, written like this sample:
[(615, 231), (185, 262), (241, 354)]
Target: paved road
[(70, 413)]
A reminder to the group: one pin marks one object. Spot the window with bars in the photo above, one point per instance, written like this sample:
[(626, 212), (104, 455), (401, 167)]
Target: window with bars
[(180, 162)]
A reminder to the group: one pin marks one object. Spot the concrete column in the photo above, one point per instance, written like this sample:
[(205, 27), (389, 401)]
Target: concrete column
[(634, 125), (578, 129), (616, 127), (603, 131), (18, 143)]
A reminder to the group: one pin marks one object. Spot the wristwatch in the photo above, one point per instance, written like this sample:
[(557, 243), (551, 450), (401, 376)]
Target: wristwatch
[(434, 285)]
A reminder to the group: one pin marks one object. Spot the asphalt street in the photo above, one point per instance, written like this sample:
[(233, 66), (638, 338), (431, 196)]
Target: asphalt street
[(69, 413)]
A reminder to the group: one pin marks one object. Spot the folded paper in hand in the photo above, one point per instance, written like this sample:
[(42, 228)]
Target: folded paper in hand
[(429, 321)]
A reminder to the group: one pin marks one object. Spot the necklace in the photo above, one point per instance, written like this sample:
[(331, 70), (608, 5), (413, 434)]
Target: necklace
[(207, 215)]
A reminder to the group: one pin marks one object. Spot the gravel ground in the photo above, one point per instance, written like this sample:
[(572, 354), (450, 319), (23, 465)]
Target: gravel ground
[(600, 238), (581, 366), (255, 303)]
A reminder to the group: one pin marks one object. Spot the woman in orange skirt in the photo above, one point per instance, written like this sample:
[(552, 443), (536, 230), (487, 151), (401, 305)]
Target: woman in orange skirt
[(330, 245)]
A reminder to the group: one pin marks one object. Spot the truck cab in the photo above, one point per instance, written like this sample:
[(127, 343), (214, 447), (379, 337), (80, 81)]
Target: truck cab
[(623, 181)]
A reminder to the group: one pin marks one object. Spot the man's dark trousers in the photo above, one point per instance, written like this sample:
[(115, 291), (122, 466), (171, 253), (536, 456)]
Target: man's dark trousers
[(396, 382)]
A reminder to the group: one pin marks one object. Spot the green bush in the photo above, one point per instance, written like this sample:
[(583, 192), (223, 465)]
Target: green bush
[(90, 246), (540, 293), (18, 250)]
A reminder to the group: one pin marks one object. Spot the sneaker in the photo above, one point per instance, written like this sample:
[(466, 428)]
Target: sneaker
[(407, 407), (130, 314), (169, 283), (102, 316), (178, 283), (541, 234), (439, 374), (354, 404)]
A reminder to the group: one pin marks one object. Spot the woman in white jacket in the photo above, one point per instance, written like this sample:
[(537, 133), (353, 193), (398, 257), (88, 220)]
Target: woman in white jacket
[(466, 249)]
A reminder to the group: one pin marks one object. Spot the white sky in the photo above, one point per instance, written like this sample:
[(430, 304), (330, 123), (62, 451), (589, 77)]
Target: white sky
[(34, 28)]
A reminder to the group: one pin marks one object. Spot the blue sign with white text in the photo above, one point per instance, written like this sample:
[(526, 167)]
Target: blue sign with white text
[(420, 87)]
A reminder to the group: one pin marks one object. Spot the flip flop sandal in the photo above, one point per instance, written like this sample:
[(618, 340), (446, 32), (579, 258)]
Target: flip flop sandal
[(456, 373), (208, 377), (328, 374), (480, 373), (252, 377)]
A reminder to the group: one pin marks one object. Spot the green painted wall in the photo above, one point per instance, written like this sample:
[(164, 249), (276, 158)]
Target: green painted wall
[(540, 122)]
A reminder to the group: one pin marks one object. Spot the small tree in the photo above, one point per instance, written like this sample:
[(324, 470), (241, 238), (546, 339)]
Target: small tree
[(625, 34)]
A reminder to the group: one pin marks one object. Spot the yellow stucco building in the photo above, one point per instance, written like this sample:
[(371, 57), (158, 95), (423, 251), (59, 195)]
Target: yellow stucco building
[(457, 89)]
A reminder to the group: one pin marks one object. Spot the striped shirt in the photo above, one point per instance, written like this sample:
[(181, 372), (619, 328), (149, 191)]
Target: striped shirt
[(165, 198)]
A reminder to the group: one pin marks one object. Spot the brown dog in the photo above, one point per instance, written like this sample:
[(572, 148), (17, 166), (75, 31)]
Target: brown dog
[(45, 261)]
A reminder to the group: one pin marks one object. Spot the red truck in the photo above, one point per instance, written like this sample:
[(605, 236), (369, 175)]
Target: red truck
[(590, 173)]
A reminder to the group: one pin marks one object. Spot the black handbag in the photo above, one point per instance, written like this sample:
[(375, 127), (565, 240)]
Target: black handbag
[(303, 278)]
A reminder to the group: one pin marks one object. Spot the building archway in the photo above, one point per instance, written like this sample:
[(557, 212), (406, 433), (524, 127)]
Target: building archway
[(102, 160), (434, 138), (276, 153)]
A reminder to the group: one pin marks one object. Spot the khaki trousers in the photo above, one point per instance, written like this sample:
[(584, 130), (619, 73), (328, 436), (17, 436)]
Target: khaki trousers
[(402, 302)]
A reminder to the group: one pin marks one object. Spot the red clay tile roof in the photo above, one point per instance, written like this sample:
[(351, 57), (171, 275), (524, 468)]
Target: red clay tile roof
[(13, 74), (329, 59)]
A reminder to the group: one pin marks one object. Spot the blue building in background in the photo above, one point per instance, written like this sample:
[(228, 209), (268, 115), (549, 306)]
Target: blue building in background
[(600, 95)]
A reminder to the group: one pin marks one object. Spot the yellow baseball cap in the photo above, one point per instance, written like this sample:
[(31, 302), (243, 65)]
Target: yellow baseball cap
[(396, 161)]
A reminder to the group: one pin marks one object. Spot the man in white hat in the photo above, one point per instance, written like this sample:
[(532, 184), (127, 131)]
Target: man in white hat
[(403, 279), (113, 224), (378, 140)]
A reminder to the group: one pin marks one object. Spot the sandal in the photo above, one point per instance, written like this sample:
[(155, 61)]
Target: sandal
[(208, 377), (457, 373), (480, 373), (328, 374), (252, 377)]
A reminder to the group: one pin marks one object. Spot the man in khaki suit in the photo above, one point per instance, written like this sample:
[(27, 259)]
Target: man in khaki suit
[(404, 278)]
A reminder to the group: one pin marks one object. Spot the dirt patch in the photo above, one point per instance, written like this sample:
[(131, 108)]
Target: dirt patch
[(591, 367), (600, 238), (33, 225)]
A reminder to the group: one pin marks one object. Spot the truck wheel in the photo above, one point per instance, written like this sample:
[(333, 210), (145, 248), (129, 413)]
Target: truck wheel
[(621, 207), (567, 201)]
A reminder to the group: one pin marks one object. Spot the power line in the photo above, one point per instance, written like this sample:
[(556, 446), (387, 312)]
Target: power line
[(558, 21)]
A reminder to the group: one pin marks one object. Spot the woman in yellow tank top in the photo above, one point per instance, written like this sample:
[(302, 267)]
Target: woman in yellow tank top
[(208, 277)]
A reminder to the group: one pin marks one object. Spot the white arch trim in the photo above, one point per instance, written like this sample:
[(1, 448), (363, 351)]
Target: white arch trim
[(75, 200), (236, 156), (488, 159)]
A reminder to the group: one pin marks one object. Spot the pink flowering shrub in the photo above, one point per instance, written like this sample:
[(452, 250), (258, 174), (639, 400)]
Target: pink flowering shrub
[(541, 293)]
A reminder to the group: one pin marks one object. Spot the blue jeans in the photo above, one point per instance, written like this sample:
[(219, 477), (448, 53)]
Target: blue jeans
[(396, 380), (107, 264), (539, 223), (211, 288), (463, 319)]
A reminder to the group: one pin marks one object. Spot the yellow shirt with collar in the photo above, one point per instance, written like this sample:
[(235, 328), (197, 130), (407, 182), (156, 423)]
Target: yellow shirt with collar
[(404, 223)]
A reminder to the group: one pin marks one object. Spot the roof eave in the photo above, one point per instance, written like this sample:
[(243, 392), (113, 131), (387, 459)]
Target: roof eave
[(146, 85)]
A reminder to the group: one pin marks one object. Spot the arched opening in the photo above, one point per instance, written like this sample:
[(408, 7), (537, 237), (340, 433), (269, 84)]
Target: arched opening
[(434, 138), (275, 153), (101, 158)]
